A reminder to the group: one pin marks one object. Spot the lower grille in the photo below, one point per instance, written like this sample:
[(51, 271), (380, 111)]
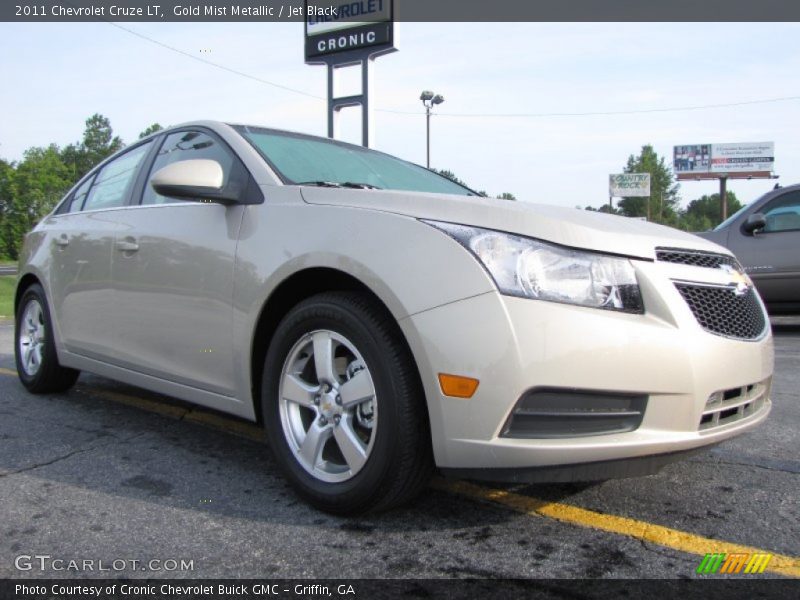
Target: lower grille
[(735, 404), (721, 311), (561, 413)]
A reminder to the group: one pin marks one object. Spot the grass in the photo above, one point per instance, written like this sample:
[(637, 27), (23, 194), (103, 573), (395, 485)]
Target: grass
[(7, 285)]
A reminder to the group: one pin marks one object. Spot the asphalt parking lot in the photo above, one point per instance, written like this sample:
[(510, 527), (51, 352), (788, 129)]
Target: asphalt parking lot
[(108, 472)]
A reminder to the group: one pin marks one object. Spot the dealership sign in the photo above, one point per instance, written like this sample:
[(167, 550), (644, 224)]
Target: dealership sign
[(629, 185), (347, 27), (714, 160)]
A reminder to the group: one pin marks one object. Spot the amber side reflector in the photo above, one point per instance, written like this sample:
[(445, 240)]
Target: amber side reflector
[(457, 386)]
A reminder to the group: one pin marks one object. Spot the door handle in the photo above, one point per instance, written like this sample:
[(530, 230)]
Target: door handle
[(62, 241), (128, 245)]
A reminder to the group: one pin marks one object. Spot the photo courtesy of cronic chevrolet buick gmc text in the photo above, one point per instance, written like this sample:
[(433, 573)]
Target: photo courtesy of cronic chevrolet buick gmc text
[(765, 237), (384, 321)]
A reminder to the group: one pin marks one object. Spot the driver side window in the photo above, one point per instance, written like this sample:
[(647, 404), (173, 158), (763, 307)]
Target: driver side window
[(783, 213), (187, 145)]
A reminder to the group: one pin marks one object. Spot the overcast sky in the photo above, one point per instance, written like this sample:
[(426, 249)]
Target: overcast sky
[(56, 75)]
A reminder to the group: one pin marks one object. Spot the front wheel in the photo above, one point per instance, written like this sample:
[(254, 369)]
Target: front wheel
[(37, 362), (343, 406)]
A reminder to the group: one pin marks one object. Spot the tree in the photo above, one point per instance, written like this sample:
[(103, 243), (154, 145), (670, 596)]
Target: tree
[(6, 196), (663, 200), (37, 184), (506, 196), (150, 130), (99, 142), (449, 175), (702, 213)]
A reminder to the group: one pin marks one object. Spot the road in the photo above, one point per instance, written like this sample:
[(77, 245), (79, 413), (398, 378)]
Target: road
[(8, 270), (109, 472)]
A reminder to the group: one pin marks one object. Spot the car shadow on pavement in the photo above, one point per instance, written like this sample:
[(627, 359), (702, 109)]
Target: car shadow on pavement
[(84, 447)]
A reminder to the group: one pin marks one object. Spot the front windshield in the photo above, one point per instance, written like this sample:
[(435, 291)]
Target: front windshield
[(303, 159), (730, 219)]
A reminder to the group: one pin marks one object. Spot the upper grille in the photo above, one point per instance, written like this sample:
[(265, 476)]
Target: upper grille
[(695, 258), (720, 311)]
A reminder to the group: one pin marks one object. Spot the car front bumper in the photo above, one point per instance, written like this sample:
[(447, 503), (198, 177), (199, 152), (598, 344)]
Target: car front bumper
[(515, 345)]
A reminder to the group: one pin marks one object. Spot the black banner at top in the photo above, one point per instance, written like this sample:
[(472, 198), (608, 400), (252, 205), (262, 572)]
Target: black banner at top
[(405, 10)]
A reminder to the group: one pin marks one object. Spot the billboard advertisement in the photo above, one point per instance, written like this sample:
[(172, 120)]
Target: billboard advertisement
[(629, 185), (748, 158)]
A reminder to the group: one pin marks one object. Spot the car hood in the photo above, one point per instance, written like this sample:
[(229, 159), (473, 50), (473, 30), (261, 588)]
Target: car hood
[(566, 226)]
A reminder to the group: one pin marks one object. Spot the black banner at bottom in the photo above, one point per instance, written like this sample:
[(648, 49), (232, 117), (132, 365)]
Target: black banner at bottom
[(368, 589)]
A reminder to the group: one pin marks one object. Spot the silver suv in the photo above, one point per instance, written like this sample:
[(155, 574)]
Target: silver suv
[(382, 320)]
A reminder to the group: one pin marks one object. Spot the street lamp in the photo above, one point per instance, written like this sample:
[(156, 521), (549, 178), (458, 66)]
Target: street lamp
[(429, 99)]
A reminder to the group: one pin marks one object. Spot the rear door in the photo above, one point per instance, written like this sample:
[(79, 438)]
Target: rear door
[(83, 233), (173, 276)]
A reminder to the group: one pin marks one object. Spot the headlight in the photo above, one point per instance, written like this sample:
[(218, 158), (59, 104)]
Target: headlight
[(532, 269)]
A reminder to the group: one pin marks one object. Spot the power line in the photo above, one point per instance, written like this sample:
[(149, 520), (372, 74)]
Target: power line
[(213, 64), (463, 115)]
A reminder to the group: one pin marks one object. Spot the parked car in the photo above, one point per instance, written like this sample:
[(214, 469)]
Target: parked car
[(765, 237), (382, 320)]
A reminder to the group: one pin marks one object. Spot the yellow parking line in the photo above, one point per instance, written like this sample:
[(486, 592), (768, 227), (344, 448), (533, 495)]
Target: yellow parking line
[(4, 371), (683, 541), (246, 430)]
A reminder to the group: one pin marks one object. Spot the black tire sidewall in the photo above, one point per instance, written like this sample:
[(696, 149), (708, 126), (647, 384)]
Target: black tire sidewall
[(49, 356), (366, 484)]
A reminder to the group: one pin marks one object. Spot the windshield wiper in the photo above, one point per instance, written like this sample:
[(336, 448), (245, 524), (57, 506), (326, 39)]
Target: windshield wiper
[(320, 183), (360, 186), (346, 184)]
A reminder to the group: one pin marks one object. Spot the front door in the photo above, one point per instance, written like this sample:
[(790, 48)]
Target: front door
[(173, 267)]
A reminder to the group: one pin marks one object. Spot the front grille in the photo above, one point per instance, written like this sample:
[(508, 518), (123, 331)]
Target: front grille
[(735, 404), (695, 258), (719, 310)]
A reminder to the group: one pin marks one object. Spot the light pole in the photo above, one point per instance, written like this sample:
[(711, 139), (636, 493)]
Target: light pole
[(429, 99)]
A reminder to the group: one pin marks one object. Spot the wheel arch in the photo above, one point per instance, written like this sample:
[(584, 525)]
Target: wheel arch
[(26, 281), (287, 294)]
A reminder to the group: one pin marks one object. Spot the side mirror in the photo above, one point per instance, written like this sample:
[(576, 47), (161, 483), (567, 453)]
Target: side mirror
[(191, 179), (754, 222)]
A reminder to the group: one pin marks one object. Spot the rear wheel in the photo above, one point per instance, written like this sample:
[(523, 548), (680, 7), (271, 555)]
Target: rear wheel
[(343, 407), (37, 362)]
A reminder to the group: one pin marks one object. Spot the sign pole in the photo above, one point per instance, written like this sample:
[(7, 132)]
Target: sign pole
[(723, 197), (338, 41)]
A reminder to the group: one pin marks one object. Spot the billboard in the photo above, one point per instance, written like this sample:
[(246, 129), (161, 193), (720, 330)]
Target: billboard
[(749, 159), (627, 185), (344, 27)]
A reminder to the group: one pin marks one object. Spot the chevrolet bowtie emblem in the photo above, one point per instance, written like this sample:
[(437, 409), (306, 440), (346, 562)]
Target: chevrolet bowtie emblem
[(739, 280)]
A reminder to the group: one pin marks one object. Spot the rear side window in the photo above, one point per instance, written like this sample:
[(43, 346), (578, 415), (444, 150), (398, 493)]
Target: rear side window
[(187, 145), (113, 182), (74, 202)]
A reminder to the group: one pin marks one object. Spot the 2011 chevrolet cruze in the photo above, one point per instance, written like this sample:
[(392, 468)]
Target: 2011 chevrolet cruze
[(382, 320)]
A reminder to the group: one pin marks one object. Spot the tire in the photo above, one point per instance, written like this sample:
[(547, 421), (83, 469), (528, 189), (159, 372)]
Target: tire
[(35, 349), (350, 433)]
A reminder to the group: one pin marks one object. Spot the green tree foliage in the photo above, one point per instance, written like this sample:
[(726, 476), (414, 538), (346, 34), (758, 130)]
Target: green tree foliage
[(6, 196), (663, 201), (703, 213), (38, 182), (150, 130), (99, 142), (31, 188), (449, 175), (452, 177)]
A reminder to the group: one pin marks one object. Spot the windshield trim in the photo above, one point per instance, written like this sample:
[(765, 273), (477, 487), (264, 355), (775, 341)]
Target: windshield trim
[(244, 129)]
